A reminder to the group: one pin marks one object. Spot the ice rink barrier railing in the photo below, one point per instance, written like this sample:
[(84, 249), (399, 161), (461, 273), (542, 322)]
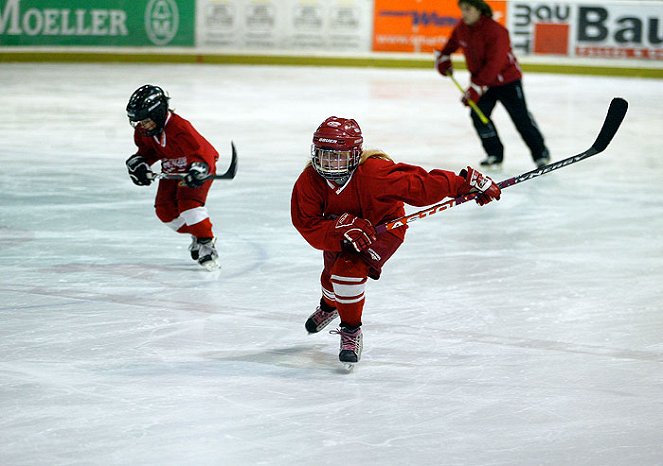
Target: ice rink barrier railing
[(613, 37)]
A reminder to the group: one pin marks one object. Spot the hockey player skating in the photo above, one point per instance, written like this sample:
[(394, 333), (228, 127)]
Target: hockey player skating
[(337, 199), (162, 135), (495, 76)]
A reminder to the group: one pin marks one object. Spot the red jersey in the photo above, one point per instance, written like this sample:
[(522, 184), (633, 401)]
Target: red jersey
[(377, 191), (178, 145), (487, 50)]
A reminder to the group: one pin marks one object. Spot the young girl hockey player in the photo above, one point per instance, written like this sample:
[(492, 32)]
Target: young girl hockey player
[(338, 198), (161, 134)]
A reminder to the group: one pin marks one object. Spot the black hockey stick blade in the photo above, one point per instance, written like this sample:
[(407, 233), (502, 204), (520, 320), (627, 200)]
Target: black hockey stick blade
[(614, 118), (232, 169)]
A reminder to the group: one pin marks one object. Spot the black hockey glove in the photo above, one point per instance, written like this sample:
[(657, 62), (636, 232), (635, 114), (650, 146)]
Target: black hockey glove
[(139, 170), (198, 174)]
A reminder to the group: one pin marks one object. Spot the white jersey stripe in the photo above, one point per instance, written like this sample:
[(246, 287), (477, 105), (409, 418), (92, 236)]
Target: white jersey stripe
[(328, 294), (195, 215), (176, 224), (350, 300), (338, 278), (348, 291)]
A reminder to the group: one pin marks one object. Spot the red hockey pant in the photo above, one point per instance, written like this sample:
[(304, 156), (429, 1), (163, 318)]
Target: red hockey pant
[(183, 208), (345, 274)]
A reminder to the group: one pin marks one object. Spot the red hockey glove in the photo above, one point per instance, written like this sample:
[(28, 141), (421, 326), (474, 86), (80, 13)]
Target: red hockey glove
[(139, 170), (443, 64), (198, 174), (473, 93), (358, 233), (478, 182)]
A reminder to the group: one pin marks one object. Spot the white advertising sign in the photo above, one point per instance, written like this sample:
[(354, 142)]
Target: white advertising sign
[(625, 30), (321, 25)]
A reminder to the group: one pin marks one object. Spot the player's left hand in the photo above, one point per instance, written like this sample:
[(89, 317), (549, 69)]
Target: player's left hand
[(198, 174), (478, 182), (473, 93)]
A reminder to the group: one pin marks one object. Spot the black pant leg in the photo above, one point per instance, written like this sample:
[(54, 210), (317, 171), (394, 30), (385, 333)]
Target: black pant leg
[(513, 98), (490, 140)]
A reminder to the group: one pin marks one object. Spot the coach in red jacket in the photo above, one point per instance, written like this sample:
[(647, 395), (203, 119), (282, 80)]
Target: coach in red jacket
[(495, 76)]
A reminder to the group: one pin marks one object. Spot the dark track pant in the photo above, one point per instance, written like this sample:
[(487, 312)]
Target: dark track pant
[(513, 98)]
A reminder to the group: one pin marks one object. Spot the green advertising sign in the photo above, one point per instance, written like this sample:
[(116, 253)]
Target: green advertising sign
[(157, 23)]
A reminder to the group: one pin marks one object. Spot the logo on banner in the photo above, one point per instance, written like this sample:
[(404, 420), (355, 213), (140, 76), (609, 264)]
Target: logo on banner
[(610, 31), (161, 21), (541, 28)]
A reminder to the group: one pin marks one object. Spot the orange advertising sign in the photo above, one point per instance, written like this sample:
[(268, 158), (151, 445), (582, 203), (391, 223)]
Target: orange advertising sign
[(419, 25)]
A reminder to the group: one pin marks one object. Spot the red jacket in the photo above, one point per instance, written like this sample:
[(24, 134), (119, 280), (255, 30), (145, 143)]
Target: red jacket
[(177, 146), (487, 50), (376, 191)]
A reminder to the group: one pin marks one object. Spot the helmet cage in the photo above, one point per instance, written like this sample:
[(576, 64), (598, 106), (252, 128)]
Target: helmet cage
[(337, 148), (334, 164)]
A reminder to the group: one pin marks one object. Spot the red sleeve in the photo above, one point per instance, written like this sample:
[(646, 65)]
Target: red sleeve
[(145, 150), (306, 211), (452, 43), (412, 184), (497, 47)]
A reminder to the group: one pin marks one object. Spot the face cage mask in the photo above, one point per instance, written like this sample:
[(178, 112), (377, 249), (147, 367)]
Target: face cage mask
[(141, 129), (334, 164), (157, 112)]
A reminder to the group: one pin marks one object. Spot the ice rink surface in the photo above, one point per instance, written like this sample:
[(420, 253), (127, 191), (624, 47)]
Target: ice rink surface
[(526, 332)]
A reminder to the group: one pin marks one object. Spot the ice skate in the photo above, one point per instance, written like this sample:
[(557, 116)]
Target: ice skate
[(543, 160), (207, 255), (322, 316), (492, 162), (351, 345), (194, 248)]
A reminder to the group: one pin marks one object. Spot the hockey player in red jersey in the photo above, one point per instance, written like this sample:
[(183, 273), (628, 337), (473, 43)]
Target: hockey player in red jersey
[(495, 76), (337, 199), (162, 135)]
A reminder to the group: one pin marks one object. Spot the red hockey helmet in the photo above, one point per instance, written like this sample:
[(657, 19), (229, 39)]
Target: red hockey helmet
[(337, 148)]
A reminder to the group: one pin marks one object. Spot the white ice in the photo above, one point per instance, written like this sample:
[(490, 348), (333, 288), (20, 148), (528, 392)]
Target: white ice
[(529, 331)]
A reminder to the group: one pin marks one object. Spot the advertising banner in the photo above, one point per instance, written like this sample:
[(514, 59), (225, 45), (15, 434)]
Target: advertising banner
[(97, 22), (419, 25), (624, 30), (324, 25)]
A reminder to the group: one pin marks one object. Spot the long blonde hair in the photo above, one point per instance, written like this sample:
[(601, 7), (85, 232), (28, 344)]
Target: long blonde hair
[(377, 153)]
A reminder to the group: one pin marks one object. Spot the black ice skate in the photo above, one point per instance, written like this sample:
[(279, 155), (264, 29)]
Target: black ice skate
[(207, 255), (542, 160), (322, 316), (351, 344), (194, 248), (492, 161)]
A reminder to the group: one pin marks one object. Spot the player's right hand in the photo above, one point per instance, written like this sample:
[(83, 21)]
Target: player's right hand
[(443, 64), (139, 170), (358, 233)]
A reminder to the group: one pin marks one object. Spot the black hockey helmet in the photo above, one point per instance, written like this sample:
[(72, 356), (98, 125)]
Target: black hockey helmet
[(148, 102)]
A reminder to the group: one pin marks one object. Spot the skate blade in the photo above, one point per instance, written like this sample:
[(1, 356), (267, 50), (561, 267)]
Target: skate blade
[(211, 266), (347, 366), (493, 168)]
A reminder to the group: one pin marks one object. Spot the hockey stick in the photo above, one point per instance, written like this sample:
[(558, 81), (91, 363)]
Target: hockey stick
[(228, 175), (613, 119), (472, 104)]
